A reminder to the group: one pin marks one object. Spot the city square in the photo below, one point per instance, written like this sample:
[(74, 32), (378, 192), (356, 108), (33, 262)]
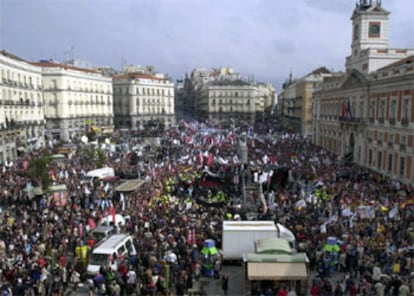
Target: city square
[(130, 183)]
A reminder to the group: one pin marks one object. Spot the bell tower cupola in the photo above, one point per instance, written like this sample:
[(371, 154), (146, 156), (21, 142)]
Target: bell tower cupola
[(370, 29)]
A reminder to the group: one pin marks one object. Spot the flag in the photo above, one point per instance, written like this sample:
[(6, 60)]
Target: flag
[(210, 159), (189, 140), (349, 113), (25, 166), (81, 230), (91, 223), (201, 158), (191, 237), (53, 174)]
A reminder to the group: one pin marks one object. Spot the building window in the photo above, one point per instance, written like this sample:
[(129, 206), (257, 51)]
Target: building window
[(379, 159), (406, 110), (402, 166), (390, 162), (361, 110), (370, 157), (372, 110), (356, 32), (391, 139), (382, 109), (403, 140), (393, 109), (380, 137)]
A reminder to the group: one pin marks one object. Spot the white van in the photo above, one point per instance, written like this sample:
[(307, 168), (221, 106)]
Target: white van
[(101, 233), (97, 174), (109, 252)]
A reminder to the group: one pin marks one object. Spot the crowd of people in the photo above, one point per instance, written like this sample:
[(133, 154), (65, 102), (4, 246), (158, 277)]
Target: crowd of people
[(367, 214)]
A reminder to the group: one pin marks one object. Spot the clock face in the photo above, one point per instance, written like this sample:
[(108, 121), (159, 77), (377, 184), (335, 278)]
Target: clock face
[(374, 30)]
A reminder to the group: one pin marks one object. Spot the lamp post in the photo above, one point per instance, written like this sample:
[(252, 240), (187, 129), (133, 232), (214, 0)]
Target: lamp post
[(243, 153)]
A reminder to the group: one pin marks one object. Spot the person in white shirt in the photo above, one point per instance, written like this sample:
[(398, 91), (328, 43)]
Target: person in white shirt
[(404, 290), (131, 280), (379, 289)]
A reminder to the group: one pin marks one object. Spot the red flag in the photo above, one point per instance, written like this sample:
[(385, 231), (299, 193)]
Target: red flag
[(210, 159), (189, 237), (201, 158), (53, 174), (113, 213), (25, 166), (91, 223), (81, 232), (189, 140)]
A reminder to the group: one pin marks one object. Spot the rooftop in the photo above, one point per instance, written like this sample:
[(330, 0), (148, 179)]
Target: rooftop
[(64, 66), (137, 76), (12, 56)]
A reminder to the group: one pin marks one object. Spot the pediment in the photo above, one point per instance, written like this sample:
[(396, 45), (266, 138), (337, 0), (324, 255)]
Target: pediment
[(354, 79)]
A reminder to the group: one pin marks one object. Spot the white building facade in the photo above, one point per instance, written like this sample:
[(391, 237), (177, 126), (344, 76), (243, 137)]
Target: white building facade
[(21, 106), (140, 99), (76, 101), (223, 94)]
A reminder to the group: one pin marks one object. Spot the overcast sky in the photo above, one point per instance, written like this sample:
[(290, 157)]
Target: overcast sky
[(264, 38)]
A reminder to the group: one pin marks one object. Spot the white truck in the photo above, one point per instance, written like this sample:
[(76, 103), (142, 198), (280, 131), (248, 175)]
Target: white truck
[(239, 236)]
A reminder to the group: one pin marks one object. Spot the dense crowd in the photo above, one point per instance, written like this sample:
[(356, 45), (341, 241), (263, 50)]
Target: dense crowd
[(367, 215)]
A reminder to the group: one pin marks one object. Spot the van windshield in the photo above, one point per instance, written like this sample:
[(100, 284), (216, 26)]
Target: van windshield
[(99, 235), (87, 178), (98, 259)]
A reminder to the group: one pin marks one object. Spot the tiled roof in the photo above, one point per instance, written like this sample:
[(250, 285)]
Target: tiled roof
[(64, 66), (407, 60), (12, 56)]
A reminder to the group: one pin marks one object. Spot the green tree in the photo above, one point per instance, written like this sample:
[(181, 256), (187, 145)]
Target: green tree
[(38, 170), (101, 158)]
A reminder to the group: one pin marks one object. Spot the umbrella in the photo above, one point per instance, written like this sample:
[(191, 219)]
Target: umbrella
[(171, 257)]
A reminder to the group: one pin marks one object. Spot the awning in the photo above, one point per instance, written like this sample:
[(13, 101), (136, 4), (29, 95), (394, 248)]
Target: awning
[(57, 188), (110, 179), (130, 185), (259, 271), (272, 245)]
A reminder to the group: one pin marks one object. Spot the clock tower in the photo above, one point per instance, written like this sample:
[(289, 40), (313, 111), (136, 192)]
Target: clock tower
[(370, 32)]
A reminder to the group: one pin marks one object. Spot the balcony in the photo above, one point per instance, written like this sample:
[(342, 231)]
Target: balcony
[(379, 142), (371, 119), (404, 121), (390, 145), (402, 147), (381, 120), (392, 121)]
